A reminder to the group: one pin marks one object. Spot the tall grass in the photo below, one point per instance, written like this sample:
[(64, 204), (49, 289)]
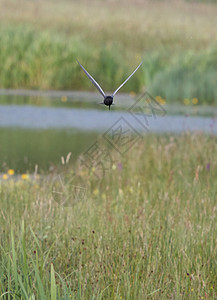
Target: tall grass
[(187, 75), (30, 59), (40, 41), (145, 231), (46, 60)]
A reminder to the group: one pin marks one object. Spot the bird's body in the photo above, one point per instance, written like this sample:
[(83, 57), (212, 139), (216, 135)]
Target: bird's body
[(108, 99)]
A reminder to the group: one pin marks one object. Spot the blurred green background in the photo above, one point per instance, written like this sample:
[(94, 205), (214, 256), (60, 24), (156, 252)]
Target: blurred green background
[(177, 40)]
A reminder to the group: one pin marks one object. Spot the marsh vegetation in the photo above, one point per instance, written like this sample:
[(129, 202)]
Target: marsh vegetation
[(146, 231), (145, 228), (176, 40)]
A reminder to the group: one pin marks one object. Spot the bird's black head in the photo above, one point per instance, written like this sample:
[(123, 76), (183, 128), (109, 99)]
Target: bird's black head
[(108, 100)]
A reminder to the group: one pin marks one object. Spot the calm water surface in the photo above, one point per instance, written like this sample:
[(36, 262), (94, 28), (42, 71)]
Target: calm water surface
[(31, 117), (32, 135)]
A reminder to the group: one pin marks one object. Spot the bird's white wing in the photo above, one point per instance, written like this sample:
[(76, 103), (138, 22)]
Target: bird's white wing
[(126, 80), (92, 80)]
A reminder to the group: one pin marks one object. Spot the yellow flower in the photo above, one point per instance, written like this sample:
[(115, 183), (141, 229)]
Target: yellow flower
[(160, 100), (114, 167), (194, 100), (11, 172), (96, 192), (121, 193), (186, 101), (132, 94), (25, 176), (64, 99), (5, 176)]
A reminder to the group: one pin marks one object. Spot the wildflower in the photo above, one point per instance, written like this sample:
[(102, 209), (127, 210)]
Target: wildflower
[(64, 99), (195, 101), (208, 166), (25, 176), (160, 100), (96, 192), (11, 172), (114, 167), (186, 101), (120, 166), (5, 176)]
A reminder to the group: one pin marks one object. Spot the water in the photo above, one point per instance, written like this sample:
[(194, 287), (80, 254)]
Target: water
[(41, 135), (31, 117), (22, 149)]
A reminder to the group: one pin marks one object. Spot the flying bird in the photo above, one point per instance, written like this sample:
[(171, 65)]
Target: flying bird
[(108, 99)]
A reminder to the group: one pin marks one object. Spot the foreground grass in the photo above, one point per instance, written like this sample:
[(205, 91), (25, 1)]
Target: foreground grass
[(145, 231)]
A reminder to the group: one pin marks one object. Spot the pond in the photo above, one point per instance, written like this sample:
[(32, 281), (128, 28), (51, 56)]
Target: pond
[(39, 134)]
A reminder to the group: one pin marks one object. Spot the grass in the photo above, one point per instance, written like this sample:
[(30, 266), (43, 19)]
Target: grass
[(45, 60), (145, 231), (185, 76), (40, 41)]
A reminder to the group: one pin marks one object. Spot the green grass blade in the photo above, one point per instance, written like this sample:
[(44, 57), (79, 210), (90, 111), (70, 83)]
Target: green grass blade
[(53, 291)]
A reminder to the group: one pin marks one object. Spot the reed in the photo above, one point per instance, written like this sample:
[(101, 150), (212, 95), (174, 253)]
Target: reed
[(39, 44)]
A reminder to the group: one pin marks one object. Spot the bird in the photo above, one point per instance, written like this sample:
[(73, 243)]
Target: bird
[(108, 99)]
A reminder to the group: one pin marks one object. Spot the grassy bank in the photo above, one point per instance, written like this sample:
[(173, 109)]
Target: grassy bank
[(146, 231), (40, 41)]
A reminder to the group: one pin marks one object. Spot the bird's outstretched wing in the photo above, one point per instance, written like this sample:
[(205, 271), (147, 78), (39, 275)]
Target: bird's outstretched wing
[(93, 80), (126, 80)]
